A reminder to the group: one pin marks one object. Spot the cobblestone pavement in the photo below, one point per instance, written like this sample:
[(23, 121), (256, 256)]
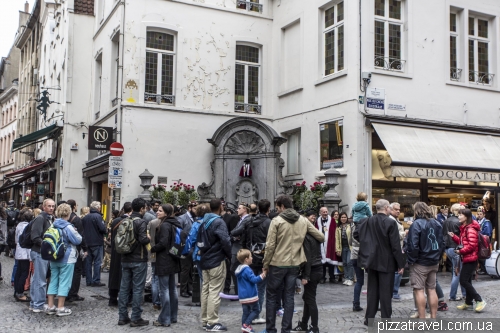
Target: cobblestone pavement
[(334, 300)]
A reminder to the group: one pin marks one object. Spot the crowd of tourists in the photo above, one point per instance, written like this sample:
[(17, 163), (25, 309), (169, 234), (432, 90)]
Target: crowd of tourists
[(266, 257)]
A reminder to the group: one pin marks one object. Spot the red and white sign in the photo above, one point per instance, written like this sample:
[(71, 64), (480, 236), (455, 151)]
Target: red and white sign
[(116, 149)]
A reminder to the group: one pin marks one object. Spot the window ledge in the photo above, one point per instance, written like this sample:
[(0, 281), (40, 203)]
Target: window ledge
[(472, 85), (293, 177), (321, 174), (290, 91), (392, 73), (331, 77)]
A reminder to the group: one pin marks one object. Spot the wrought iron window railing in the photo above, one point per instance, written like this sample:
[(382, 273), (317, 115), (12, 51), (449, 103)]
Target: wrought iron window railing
[(390, 64), (247, 108), (249, 5), (160, 99), (455, 74), (481, 77)]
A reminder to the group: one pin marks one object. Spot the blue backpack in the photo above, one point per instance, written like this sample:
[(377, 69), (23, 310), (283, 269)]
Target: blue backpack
[(178, 242)]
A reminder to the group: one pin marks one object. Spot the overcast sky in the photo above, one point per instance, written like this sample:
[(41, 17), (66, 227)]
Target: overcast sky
[(9, 21)]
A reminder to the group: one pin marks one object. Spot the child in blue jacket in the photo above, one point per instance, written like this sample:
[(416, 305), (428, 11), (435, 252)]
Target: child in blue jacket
[(247, 290)]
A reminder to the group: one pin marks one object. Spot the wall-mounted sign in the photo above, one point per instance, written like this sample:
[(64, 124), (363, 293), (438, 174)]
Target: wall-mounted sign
[(162, 180), (100, 138), (445, 174), (375, 98), (115, 172), (40, 189), (372, 103), (397, 107)]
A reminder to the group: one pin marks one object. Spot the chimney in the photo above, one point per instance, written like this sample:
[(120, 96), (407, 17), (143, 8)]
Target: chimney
[(26, 7)]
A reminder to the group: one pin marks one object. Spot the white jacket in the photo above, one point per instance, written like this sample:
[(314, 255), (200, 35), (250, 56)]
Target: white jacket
[(21, 253)]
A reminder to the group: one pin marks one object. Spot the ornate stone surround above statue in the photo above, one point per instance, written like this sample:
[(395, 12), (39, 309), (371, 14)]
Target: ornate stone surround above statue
[(236, 141)]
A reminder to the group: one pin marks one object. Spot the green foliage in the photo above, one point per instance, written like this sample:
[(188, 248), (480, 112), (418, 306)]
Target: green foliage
[(308, 198), (178, 195)]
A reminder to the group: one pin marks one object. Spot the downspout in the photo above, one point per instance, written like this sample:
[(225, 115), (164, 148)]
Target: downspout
[(120, 79)]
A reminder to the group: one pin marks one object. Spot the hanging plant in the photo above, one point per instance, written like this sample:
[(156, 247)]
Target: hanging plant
[(179, 194)]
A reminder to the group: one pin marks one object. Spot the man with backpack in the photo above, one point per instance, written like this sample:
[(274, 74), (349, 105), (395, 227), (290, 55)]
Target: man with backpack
[(131, 242), (214, 247), (186, 220), (77, 274), (94, 228), (36, 229), (255, 241)]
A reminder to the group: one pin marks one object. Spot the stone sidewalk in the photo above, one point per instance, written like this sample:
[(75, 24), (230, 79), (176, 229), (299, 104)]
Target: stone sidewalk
[(334, 301)]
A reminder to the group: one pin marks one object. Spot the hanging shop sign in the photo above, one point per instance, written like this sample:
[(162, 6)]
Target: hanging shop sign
[(445, 174), (100, 138)]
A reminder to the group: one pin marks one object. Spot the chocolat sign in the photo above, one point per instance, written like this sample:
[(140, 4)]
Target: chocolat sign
[(445, 174)]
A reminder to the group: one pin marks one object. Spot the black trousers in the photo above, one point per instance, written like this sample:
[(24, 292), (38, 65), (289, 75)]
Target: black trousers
[(309, 297), (466, 274), (186, 274), (22, 271), (234, 265), (380, 286), (227, 282), (77, 276), (277, 279)]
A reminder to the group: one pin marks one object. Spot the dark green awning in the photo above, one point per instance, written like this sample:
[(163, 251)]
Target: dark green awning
[(46, 133)]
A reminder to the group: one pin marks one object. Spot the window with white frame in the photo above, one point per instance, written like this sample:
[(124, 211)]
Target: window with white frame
[(246, 91), (250, 5), (479, 48), (389, 34), (160, 56), (333, 35), (455, 71), (293, 153), (98, 86)]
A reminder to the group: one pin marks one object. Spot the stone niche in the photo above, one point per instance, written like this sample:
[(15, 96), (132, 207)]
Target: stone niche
[(235, 141)]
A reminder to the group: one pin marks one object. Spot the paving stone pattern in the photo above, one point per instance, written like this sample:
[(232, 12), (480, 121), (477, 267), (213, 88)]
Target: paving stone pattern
[(334, 301)]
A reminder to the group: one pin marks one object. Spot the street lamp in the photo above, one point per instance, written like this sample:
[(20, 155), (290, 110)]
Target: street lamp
[(146, 177)]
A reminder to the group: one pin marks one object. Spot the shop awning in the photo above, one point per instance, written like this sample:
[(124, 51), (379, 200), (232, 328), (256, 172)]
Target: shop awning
[(46, 133), (428, 151), (17, 177)]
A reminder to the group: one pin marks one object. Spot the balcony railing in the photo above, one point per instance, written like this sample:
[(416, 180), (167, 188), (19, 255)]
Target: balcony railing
[(247, 108), (160, 99), (480, 77), (390, 64), (455, 74), (249, 5)]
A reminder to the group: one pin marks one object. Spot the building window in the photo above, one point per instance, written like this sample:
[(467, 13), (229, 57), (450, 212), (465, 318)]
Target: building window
[(455, 71), (246, 92), (250, 5), (98, 86), (333, 32), (479, 51), (331, 145), (389, 34), (293, 153), (160, 56)]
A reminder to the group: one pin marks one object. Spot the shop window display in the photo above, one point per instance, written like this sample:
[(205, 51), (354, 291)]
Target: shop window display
[(331, 145)]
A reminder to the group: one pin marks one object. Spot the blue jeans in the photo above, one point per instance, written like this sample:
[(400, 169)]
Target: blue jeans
[(169, 301), (261, 289), (61, 277), (279, 279), (250, 312), (133, 276), (94, 259), (13, 272), (360, 280), (346, 262), (397, 282), (155, 286), (455, 279), (38, 281)]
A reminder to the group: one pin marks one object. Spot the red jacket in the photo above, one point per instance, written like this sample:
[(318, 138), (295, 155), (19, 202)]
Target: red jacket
[(469, 238)]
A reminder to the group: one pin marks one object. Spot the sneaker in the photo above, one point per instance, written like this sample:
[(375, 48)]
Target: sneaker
[(396, 297), (140, 322), (313, 330), (259, 321), (442, 306), (125, 321), (480, 306), (280, 312), (216, 328), (157, 323), (38, 310), (50, 311), (349, 283), (456, 299), (464, 307), (414, 315), (61, 312), (247, 328), (345, 282), (299, 328), (204, 327)]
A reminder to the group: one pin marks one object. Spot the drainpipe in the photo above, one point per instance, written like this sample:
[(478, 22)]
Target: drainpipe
[(120, 79)]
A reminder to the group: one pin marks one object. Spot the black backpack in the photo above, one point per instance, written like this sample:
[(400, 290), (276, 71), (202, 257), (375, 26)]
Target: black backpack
[(11, 238), (25, 238), (202, 240), (12, 215)]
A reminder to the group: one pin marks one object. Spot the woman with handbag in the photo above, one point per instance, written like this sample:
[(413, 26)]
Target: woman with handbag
[(167, 263), (468, 250)]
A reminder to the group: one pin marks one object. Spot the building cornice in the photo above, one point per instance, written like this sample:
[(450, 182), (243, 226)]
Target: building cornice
[(28, 28), (7, 94)]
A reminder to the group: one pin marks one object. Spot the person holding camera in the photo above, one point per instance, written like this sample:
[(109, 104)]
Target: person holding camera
[(468, 248)]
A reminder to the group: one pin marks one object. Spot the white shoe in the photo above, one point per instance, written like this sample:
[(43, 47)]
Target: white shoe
[(259, 321), (63, 312), (345, 282), (349, 283)]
